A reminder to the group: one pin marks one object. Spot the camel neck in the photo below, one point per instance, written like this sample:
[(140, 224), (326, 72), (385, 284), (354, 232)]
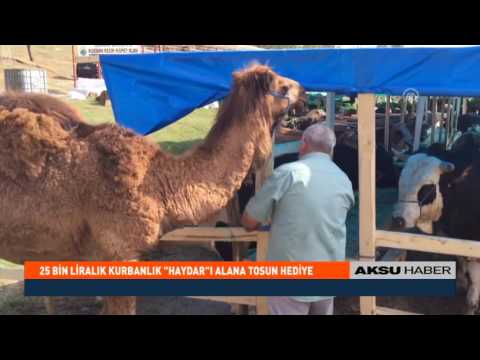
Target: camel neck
[(204, 181)]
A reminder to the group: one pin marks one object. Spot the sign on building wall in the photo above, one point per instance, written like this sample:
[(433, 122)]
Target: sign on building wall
[(95, 50)]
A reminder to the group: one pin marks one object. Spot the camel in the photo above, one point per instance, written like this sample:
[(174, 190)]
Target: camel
[(75, 192), (68, 117)]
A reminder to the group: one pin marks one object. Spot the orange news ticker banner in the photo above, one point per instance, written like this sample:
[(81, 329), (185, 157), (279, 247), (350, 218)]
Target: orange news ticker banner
[(186, 270)]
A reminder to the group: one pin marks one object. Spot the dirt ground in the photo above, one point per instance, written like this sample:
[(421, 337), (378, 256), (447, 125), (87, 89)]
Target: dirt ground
[(12, 301)]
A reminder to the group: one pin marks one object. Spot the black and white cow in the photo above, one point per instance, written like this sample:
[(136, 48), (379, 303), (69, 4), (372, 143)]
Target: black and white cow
[(439, 195)]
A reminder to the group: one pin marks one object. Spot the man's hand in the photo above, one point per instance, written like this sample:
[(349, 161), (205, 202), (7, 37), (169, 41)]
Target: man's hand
[(249, 223)]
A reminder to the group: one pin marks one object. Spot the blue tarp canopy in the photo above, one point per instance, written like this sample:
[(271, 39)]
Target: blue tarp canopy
[(149, 92)]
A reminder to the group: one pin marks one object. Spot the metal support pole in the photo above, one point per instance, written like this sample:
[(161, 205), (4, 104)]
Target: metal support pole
[(331, 116), (421, 106), (387, 123), (434, 117)]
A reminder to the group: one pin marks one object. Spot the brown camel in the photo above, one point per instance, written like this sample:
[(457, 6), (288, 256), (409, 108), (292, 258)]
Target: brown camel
[(67, 117), (106, 194)]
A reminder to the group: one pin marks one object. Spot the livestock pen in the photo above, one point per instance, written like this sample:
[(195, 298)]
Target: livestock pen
[(151, 91)]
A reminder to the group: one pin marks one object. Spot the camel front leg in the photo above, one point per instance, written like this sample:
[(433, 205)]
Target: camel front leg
[(49, 305), (119, 305)]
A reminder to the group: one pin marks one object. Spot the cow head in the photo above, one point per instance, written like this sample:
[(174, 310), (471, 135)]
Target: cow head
[(420, 200)]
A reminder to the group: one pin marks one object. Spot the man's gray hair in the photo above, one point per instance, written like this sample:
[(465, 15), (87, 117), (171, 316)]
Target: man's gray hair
[(320, 138)]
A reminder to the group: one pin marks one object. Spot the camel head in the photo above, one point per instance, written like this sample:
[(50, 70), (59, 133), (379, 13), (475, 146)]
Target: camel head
[(263, 99), (270, 94)]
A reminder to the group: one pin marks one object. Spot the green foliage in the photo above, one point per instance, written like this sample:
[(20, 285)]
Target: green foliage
[(187, 132), (316, 101), (395, 105), (473, 105), (348, 108), (175, 138), (93, 112)]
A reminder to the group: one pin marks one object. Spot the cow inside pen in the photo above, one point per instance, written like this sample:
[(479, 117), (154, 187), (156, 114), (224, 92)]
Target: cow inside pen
[(438, 195), (446, 220)]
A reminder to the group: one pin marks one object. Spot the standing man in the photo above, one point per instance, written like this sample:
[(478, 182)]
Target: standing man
[(307, 203)]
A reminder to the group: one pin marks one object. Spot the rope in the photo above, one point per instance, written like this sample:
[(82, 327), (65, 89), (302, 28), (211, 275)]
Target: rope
[(284, 97)]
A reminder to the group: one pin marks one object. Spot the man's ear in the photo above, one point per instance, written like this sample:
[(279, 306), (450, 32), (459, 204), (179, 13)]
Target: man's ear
[(303, 147)]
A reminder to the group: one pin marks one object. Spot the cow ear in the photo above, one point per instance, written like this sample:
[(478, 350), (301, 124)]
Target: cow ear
[(446, 167)]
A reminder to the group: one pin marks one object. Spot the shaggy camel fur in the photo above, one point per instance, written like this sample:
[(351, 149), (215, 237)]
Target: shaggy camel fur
[(106, 194), (68, 117)]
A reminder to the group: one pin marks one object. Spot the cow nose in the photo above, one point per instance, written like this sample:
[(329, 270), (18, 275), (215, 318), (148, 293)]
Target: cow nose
[(398, 223)]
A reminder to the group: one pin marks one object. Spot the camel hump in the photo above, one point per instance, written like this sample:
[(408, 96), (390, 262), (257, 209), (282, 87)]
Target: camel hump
[(125, 156), (27, 140), (68, 117)]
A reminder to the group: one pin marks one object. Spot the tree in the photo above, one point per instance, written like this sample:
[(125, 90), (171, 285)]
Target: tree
[(29, 49)]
